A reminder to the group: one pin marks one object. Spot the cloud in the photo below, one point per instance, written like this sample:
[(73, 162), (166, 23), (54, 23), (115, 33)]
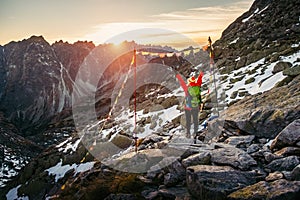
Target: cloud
[(195, 23)]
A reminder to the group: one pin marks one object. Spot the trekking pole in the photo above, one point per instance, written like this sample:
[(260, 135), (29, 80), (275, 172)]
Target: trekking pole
[(211, 55), (135, 127)]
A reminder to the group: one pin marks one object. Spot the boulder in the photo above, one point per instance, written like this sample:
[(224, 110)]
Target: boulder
[(121, 197), (238, 141), (295, 174), (233, 157), (289, 136), (253, 148), (203, 158), (175, 168), (280, 66), (280, 189), (171, 179), (241, 63), (274, 176), (122, 141), (269, 157), (166, 193), (283, 164), (216, 182), (294, 71), (288, 151)]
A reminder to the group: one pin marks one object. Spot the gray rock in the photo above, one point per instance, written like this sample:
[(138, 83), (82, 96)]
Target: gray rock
[(269, 157), (122, 141), (288, 151), (169, 164), (274, 176), (233, 157), (216, 182), (289, 136), (178, 192), (241, 62), (167, 193), (280, 66), (170, 179), (288, 163), (203, 158), (287, 175), (258, 44), (295, 174), (294, 71), (121, 197), (280, 189), (238, 141), (263, 141), (253, 148), (162, 194)]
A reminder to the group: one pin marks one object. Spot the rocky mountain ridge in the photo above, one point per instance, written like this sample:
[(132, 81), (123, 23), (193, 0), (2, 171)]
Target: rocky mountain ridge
[(36, 84)]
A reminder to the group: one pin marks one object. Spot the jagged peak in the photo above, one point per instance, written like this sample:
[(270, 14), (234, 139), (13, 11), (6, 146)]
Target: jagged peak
[(36, 39), (85, 44), (32, 39)]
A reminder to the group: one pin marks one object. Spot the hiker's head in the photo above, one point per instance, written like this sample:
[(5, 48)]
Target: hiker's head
[(191, 80)]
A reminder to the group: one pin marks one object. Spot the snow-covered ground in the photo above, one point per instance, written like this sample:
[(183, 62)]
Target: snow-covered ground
[(261, 74)]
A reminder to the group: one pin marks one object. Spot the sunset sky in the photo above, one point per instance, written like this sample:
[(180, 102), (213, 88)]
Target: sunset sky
[(100, 20)]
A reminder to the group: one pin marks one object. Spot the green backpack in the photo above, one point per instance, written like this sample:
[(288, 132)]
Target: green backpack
[(194, 98)]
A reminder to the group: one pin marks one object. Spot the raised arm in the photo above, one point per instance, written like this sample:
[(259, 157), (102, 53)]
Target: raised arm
[(199, 79), (182, 83)]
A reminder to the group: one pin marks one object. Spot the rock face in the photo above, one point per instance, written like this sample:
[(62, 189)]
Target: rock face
[(35, 84)]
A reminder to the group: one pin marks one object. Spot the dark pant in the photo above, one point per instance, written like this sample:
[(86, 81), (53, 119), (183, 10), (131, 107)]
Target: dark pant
[(188, 114)]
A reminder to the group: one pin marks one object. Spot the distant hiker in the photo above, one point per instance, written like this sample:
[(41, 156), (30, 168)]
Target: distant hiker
[(192, 101)]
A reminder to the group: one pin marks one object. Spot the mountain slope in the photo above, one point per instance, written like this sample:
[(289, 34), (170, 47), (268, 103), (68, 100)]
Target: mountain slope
[(257, 47)]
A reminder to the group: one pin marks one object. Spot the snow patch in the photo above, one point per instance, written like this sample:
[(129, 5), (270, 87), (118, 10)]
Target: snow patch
[(60, 170), (295, 45), (234, 41), (265, 8), (63, 143), (13, 194), (247, 19), (70, 145)]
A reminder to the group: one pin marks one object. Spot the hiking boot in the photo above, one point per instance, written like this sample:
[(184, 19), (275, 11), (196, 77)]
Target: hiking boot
[(195, 138), (188, 135)]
